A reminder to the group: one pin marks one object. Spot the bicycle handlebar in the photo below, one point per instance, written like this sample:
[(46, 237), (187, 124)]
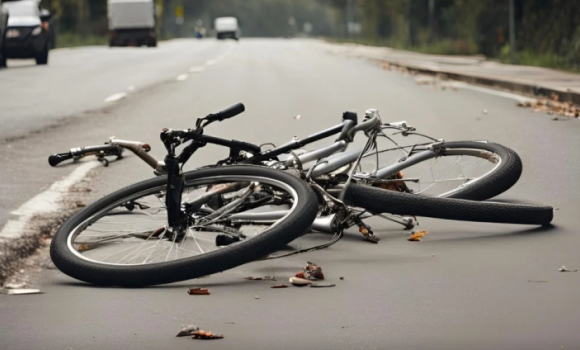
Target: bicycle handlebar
[(373, 123), (75, 153), (226, 113), (58, 158)]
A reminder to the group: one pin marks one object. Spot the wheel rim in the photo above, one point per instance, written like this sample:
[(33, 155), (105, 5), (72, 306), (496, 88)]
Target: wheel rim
[(112, 236), (450, 173)]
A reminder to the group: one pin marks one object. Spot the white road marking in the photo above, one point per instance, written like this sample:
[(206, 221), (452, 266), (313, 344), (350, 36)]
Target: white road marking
[(131, 88), (182, 77), (196, 69), (116, 97), (505, 94), (211, 62), (49, 201)]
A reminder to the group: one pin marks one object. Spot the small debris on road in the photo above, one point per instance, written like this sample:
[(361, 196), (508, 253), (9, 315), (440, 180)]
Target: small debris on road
[(14, 285), (187, 331), (196, 333), (207, 335), (553, 106), (298, 117), (299, 282), (564, 269), (341, 278), (322, 285), (416, 236), (256, 297), (265, 278), (80, 204), (312, 271), (485, 111), (198, 291), (21, 291), (279, 286)]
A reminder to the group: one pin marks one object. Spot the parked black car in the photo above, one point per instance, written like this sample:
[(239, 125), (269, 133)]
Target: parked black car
[(27, 35), (3, 25)]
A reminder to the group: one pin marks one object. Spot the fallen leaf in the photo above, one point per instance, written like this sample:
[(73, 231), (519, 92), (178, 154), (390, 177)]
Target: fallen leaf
[(279, 286), (83, 247), (416, 236), (198, 291)]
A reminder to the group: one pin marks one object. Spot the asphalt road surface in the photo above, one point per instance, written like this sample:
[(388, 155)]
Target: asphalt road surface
[(466, 286)]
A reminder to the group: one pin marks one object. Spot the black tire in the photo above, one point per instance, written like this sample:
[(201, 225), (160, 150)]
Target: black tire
[(503, 177), (42, 58), (383, 201), (152, 43), (298, 221)]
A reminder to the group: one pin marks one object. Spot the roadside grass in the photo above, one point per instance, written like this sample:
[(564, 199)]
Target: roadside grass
[(74, 40)]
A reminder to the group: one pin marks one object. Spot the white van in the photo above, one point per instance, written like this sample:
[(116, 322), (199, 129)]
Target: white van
[(227, 27), (132, 22)]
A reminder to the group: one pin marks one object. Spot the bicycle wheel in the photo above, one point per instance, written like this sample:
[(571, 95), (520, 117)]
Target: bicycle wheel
[(123, 240), (462, 170), (383, 201)]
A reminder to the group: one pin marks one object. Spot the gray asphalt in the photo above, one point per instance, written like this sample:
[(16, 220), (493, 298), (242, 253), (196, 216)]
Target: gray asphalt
[(466, 286)]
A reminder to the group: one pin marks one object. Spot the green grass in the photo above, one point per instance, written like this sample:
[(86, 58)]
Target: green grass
[(547, 60), (442, 47), (74, 39), (455, 47)]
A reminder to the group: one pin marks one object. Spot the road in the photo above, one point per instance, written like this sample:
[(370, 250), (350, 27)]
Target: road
[(466, 286)]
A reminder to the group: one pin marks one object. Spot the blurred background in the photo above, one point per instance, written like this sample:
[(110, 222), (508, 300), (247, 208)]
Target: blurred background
[(530, 32)]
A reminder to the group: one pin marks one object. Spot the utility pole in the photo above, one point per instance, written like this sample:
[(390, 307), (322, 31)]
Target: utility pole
[(512, 31), (431, 19), (408, 20)]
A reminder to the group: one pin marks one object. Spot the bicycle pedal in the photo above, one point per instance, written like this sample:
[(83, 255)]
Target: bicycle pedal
[(368, 235), (372, 239)]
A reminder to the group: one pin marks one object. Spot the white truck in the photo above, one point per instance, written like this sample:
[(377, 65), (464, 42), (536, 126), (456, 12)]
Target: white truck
[(227, 27), (132, 22)]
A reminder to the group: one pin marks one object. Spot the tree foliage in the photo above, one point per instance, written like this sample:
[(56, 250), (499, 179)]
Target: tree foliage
[(543, 27)]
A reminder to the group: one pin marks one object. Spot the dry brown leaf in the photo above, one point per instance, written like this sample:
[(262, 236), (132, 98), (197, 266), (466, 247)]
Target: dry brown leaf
[(416, 236)]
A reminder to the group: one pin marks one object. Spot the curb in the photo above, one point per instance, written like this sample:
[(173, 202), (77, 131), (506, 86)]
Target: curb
[(510, 85)]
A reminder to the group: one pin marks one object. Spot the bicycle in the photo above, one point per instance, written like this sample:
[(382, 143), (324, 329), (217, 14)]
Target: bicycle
[(504, 173), (231, 198)]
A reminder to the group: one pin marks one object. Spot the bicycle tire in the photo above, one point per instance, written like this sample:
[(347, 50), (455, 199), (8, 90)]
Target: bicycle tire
[(384, 201), (297, 222), (498, 180)]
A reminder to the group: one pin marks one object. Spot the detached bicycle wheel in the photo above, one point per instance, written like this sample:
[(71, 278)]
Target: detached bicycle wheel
[(123, 239), (462, 170)]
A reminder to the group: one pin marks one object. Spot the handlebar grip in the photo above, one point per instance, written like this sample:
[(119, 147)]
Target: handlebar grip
[(58, 158), (226, 113)]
